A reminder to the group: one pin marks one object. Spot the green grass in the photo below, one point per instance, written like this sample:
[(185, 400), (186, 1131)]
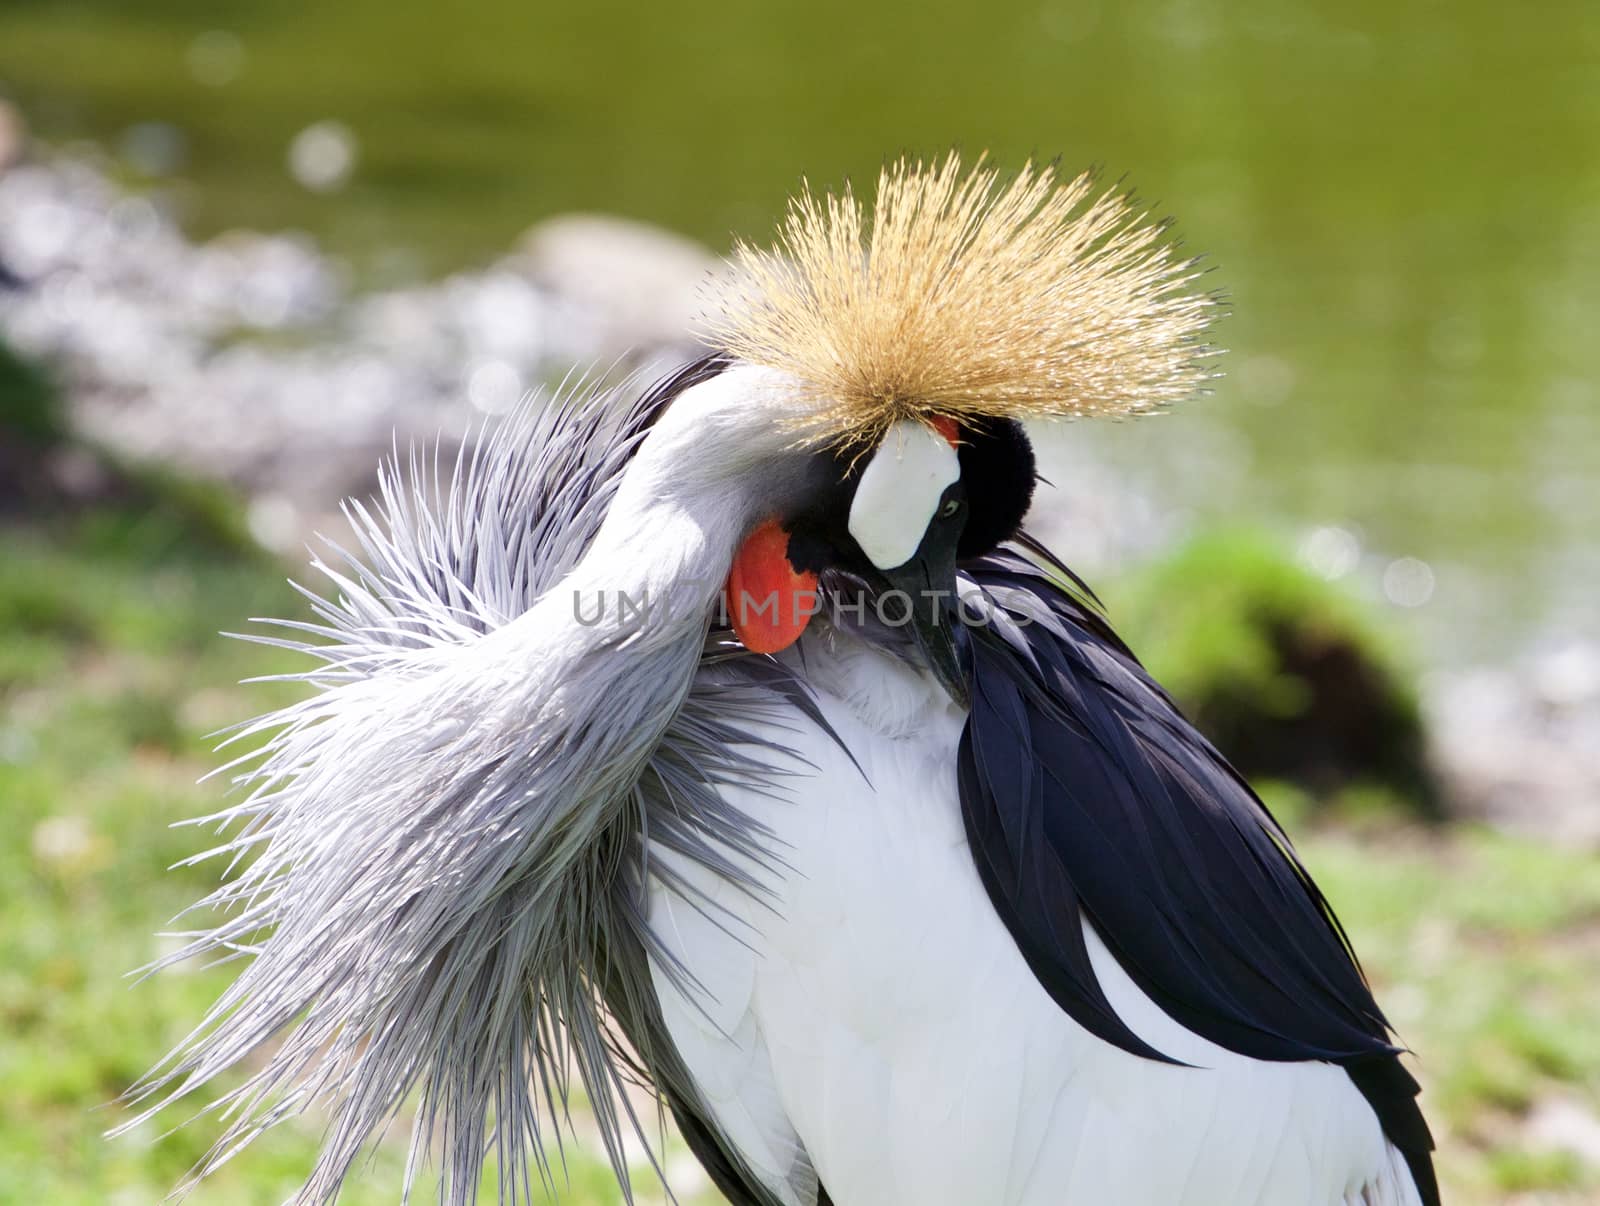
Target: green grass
[(1486, 952), (1485, 949), (30, 405)]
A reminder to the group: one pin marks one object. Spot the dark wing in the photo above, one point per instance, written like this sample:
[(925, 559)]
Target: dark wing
[(1085, 792)]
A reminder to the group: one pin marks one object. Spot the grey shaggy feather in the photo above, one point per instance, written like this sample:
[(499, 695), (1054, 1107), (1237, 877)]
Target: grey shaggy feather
[(433, 896)]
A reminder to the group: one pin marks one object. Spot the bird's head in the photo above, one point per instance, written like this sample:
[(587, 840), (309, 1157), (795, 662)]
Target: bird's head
[(885, 527), (868, 434), (723, 502)]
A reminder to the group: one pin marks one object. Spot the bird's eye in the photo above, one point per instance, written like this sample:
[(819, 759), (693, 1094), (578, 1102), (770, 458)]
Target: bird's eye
[(951, 506)]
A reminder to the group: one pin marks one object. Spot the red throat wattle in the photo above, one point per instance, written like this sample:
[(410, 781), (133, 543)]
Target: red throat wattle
[(769, 601)]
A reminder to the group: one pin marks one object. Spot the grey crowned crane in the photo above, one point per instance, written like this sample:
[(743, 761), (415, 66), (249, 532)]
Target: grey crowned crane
[(731, 738)]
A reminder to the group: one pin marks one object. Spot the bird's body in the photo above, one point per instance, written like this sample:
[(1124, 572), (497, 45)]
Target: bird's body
[(933, 897), (869, 1017)]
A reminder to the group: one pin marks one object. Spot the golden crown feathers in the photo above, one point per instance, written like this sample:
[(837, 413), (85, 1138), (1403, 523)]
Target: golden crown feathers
[(967, 298)]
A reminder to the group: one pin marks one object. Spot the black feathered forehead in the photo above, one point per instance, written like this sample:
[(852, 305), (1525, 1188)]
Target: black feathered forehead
[(999, 472)]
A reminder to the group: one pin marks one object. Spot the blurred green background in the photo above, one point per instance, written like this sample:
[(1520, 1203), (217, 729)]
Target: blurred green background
[(1404, 204), (1403, 199)]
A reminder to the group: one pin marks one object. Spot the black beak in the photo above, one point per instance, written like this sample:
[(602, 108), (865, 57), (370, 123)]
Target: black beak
[(928, 584)]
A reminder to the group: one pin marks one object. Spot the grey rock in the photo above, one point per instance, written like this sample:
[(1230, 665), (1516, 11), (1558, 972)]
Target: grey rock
[(159, 340), (1563, 1124), (1519, 745), (626, 285)]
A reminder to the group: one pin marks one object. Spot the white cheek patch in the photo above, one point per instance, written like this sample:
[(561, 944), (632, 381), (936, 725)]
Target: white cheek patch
[(900, 490)]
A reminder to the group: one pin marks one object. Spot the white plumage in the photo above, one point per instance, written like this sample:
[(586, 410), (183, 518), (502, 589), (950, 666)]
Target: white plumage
[(875, 1020)]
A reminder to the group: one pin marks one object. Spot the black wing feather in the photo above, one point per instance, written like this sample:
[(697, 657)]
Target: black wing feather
[(1085, 792)]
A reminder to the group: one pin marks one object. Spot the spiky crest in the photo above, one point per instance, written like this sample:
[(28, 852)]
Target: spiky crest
[(966, 297)]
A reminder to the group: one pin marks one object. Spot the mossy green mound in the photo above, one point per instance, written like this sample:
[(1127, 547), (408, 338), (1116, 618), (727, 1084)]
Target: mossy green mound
[(1284, 671)]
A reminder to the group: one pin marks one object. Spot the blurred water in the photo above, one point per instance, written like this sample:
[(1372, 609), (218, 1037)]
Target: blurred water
[(1403, 202)]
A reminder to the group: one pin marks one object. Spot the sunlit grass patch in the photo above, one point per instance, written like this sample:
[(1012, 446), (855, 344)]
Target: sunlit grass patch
[(1485, 951)]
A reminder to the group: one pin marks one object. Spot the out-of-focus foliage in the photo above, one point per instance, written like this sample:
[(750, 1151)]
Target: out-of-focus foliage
[(30, 404), (123, 510), (1285, 671)]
